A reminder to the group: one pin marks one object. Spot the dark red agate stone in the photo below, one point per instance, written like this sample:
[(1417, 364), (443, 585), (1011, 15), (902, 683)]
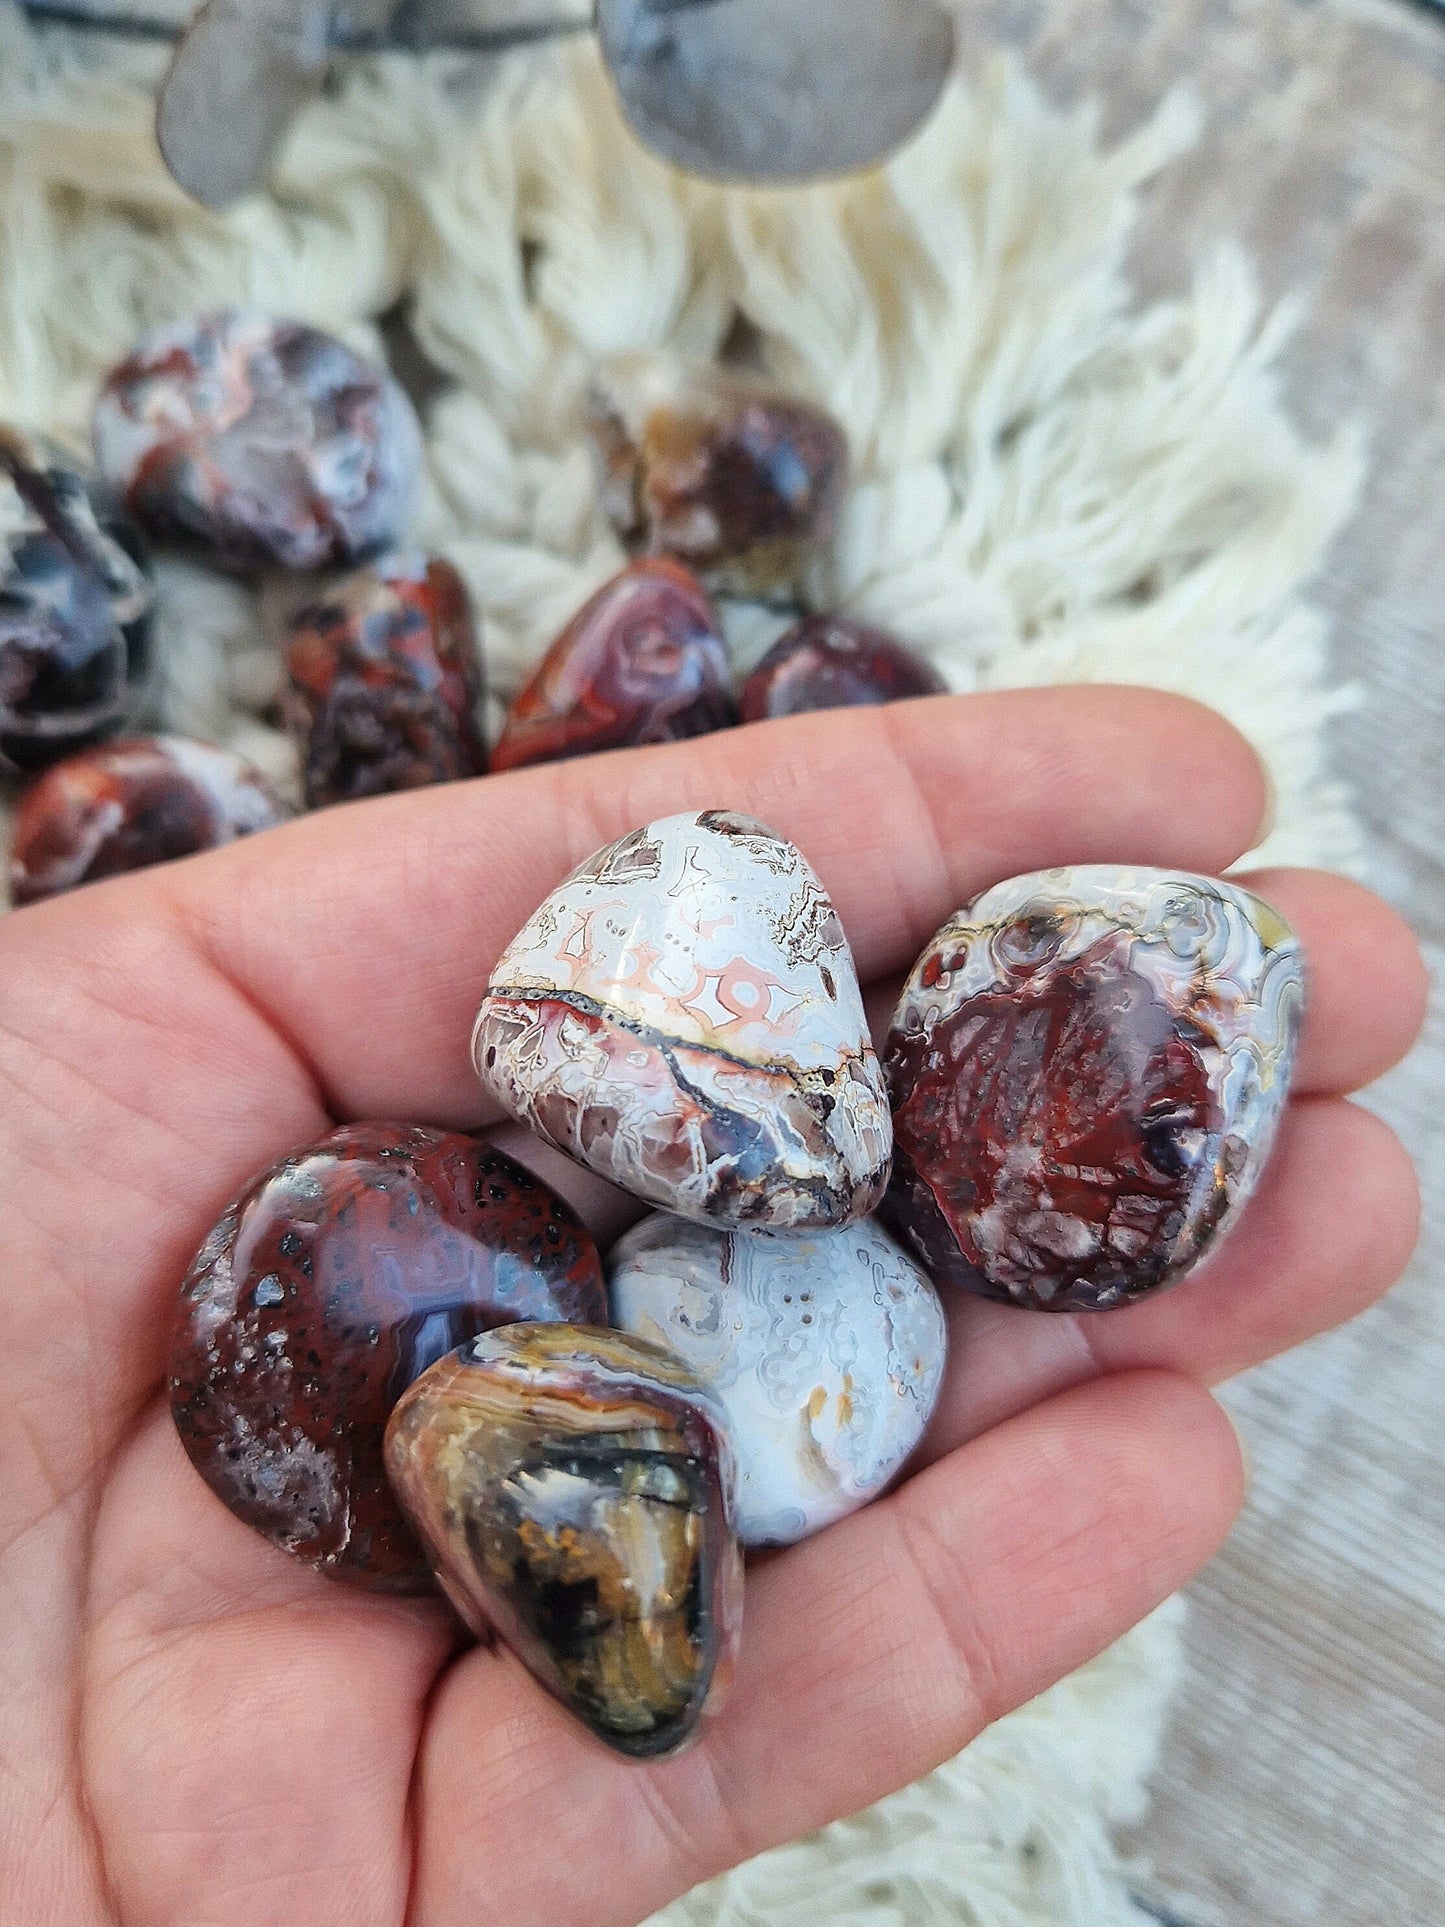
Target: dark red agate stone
[(336, 1279), (386, 682), (826, 662), (259, 442), (130, 804), (1058, 1144), (643, 662), (727, 473), (74, 609)]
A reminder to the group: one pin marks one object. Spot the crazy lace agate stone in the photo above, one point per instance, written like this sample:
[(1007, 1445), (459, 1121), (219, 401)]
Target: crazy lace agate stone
[(825, 662), (825, 1351), (260, 443), (330, 1284), (75, 608), (127, 805), (385, 681), (683, 1015), (574, 1491), (1088, 1067), (643, 662), (731, 475)]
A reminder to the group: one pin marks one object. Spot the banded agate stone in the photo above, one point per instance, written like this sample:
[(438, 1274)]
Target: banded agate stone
[(1087, 1068), (825, 1350), (574, 1491), (331, 1283), (129, 804), (826, 662), (385, 681), (683, 1015), (643, 662), (75, 607), (729, 474), (259, 442)]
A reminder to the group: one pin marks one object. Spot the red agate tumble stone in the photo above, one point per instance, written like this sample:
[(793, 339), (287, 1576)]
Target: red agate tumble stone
[(643, 662), (259, 442), (131, 804), (385, 681), (726, 472), (332, 1283), (1088, 1067), (825, 662)]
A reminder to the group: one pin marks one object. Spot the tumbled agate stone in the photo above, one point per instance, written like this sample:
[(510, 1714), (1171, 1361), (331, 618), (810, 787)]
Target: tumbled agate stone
[(574, 1491), (643, 662), (331, 1283), (75, 607), (259, 443), (683, 1015), (385, 681), (1087, 1069), (825, 662), (729, 474), (129, 804), (825, 1350)]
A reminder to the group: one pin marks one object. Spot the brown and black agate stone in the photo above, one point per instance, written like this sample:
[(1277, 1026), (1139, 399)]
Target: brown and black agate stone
[(129, 804), (575, 1492), (328, 1286), (385, 681), (1087, 1070), (75, 607), (827, 662), (643, 662), (726, 472), (259, 443)]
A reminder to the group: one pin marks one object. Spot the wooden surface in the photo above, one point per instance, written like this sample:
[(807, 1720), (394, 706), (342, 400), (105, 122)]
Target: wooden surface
[(1304, 1783)]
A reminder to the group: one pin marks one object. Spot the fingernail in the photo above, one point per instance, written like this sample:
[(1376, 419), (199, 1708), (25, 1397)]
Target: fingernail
[(1245, 1452), (1269, 815)]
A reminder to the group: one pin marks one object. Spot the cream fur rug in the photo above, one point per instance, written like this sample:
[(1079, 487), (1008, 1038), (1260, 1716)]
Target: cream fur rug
[(1053, 485)]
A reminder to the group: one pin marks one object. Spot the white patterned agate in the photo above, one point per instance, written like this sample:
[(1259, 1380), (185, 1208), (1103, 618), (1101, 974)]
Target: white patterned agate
[(683, 1015), (825, 1350)]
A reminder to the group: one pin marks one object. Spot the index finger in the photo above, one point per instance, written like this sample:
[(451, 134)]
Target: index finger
[(367, 933)]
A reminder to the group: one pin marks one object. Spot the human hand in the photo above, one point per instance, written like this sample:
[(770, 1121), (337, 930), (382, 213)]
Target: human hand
[(194, 1728)]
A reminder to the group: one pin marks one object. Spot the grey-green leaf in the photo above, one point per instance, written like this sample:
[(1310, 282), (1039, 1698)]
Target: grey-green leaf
[(776, 90)]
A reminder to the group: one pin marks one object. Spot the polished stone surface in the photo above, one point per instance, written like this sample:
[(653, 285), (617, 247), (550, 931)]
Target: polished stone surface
[(574, 1491), (683, 1015), (335, 1279), (385, 681), (730, 474), (75, 608), (129, 804), (259, 443), (827, 662), (825, 1350), (1087, 1069), (643, 662)]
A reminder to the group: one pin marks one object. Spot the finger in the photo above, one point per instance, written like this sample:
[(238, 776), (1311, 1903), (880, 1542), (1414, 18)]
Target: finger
[(871, 1654), (1330, 1229), (1366, 987), (1351, 939), (368, 933), (249, 1728)]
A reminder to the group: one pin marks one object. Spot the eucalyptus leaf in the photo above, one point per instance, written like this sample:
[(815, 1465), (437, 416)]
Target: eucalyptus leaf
[(768, 90), (238, 77)]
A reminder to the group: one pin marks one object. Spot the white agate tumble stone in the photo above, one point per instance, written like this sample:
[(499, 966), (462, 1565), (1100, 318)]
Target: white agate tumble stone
[(683, 1015), (825, 1350)]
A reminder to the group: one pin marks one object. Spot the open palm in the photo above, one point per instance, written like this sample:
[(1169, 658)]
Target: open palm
[(195, 1729)]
